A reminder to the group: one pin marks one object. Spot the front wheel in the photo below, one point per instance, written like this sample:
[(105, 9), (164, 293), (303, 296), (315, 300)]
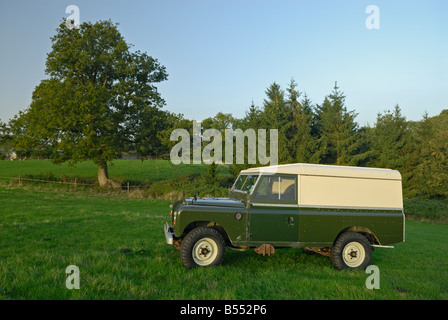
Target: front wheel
[(202, 247), (351, 251)]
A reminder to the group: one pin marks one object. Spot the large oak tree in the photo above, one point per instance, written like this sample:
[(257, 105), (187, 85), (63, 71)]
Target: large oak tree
[(99, 99)]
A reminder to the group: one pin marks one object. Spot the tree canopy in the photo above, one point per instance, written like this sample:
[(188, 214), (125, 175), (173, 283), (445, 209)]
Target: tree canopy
[(99, 100)]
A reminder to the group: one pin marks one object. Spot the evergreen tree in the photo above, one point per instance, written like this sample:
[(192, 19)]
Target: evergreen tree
[(251, 120), (338, 141), (307, 105), (211, 173), (302, 144), (431, 172), (277, 115), (389, 139), (365, 157)]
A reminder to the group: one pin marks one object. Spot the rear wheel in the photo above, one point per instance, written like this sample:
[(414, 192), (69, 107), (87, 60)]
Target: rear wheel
[(351, 251), (202, 247)]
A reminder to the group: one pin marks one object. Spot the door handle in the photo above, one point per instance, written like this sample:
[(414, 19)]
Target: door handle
[(291, 221)]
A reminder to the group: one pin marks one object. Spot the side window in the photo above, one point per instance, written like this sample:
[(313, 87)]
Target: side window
[(276, 188), (288, 188), (263, 188)]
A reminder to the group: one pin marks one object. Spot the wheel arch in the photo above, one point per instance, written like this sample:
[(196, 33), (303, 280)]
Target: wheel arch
[(208, 224), (369, 234)]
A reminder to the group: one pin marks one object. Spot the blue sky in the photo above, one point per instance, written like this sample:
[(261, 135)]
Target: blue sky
[(221, 55)]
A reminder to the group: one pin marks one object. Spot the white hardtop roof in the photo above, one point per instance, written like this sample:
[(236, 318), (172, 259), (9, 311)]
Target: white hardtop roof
[(328, 170)]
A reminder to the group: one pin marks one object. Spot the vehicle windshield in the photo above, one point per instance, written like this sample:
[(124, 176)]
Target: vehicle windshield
[(245, 183)]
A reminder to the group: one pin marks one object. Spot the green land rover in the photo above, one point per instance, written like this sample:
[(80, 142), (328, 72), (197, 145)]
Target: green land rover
[(337, 211)]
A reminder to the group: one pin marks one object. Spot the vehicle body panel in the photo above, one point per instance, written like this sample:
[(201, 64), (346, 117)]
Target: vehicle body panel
[(191, 212), (321, 226), (270, 223)]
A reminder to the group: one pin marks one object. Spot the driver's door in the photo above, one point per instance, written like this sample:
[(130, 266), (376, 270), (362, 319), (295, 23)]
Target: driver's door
[(273, 215)]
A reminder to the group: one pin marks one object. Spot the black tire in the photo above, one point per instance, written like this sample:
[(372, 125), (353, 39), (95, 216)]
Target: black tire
[(351, 250), (202, 247)]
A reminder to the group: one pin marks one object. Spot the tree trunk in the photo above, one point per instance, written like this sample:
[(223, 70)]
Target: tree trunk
[(103, 176)]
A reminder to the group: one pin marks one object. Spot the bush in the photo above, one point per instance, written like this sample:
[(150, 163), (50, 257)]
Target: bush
[(426, 209), (211, 174), (191, 184), (47, 176)]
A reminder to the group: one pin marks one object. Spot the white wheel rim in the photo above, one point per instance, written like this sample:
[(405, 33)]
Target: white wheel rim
[(205, 251), (353, 254)]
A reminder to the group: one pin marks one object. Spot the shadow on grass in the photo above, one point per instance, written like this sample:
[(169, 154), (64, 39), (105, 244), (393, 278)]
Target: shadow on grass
[(283, 258)]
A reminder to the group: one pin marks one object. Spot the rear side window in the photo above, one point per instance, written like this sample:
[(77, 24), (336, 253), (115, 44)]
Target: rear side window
[(276, 188)]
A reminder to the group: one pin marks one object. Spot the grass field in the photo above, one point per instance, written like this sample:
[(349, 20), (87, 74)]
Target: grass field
[(138, 179), (119, 247), (126, 170), (162, 180)]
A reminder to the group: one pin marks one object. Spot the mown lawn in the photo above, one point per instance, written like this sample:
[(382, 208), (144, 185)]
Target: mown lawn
[(119, 247)]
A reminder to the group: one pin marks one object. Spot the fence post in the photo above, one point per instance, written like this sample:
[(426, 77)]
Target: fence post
[(20, 180), (128, 186)]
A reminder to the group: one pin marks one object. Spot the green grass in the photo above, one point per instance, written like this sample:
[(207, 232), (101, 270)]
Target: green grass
[(126, 170), (119, 247), (151, 178)]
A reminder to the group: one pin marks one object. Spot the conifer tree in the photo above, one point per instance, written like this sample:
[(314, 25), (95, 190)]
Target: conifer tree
[(431, 172), (301, 142), (389, 139), (337, 130), (277, 115)]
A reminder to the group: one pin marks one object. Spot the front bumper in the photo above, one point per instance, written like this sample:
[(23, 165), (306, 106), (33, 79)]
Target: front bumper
[(169, 234)]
